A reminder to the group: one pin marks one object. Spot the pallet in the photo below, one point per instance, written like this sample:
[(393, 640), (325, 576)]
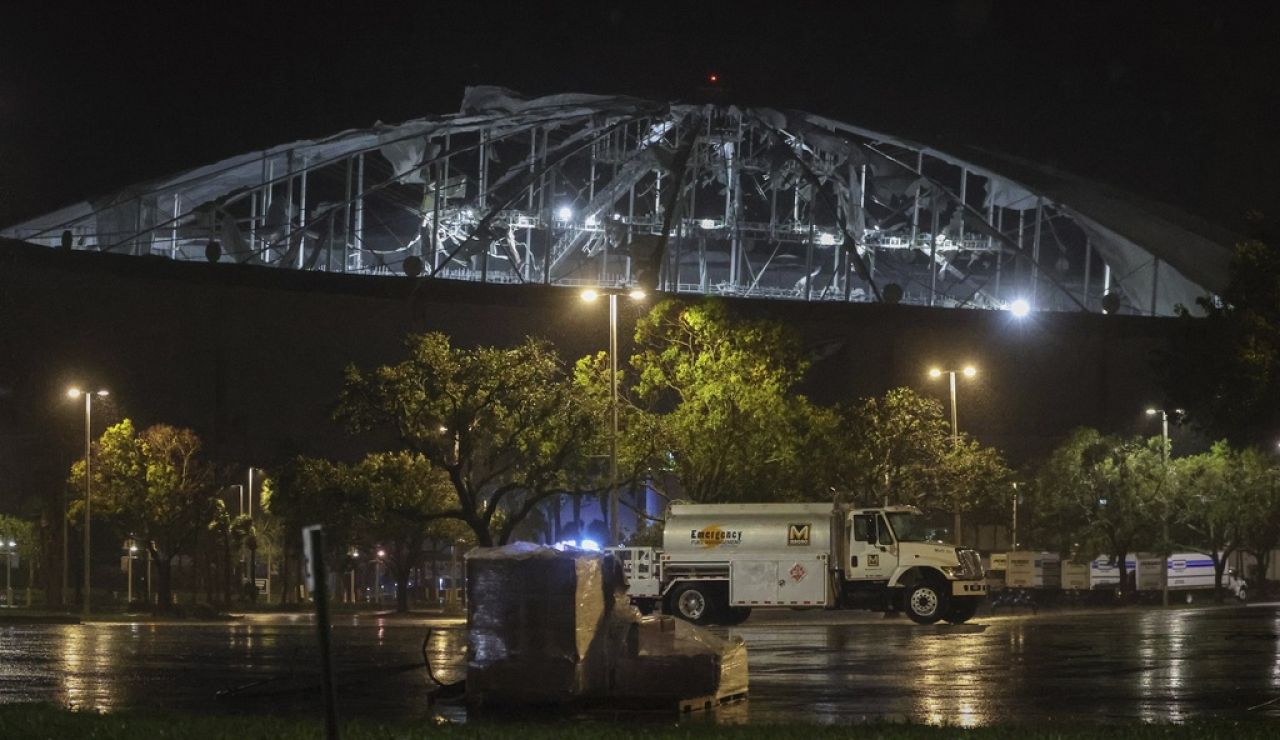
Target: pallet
[(707, 703)]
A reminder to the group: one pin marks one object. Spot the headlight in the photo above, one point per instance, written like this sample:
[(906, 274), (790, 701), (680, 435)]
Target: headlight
[(952, 571)]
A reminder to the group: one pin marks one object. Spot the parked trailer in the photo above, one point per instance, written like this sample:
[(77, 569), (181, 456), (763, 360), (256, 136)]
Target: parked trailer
[(1034, 570), (720, 561), (1189, 573)]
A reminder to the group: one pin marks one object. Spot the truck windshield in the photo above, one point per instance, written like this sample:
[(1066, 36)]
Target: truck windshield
[(910, 527)]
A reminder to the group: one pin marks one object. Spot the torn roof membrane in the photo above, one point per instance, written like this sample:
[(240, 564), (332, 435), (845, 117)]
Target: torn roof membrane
[(601, 190)]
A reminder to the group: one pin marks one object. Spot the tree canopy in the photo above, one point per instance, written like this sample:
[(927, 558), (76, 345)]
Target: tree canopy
[(509, 427), (155, 485), (1224, 368), (719, 392)]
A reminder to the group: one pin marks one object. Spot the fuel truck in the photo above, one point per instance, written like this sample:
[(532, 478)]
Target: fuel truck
[(718, 562)]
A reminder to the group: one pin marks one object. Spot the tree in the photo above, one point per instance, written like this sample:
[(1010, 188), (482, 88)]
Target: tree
[(26, 539), (155, 485), (1100, 492), (894, 450), (311, 491), (720, 395), (899, 448), (404, 502), (508, 426), (1258, 501), (1224, 368), (1208, 490)]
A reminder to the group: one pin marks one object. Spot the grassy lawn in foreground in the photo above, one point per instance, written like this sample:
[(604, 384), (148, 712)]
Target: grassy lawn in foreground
[(41, 722)]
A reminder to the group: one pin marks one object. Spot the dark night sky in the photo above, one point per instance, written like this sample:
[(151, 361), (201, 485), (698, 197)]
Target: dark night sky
[(1175, 101)]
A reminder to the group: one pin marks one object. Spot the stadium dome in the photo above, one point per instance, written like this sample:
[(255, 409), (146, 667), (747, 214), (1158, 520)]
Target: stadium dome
[(588, 190)]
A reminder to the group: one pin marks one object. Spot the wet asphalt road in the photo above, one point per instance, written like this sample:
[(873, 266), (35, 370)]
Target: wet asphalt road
[(1147, 665)]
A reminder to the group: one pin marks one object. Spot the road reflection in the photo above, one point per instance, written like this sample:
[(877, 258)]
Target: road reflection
[(88, 657), (1151, 665)]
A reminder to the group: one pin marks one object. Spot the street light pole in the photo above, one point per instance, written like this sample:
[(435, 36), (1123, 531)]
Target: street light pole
[(253, 551), (1014, 539), (969, 371), (591, 295), (133, 549), (1164, 519), (8, 573), (613, 410), (88, 478)]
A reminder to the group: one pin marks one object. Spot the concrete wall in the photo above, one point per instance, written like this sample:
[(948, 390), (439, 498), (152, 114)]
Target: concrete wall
[(252, 357)]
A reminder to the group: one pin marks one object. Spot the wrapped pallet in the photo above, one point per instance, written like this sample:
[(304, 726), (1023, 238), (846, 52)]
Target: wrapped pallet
[(670, 659), (548, 627), (536, 625)]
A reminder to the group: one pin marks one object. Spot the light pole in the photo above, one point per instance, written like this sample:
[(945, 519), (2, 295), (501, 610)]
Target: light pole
[(88, 475), (1014, 536), (1164, 519), (133, 553), (355, 556), (12, 549), (253, 551), (969, 371), (589, 295), (377, 574)]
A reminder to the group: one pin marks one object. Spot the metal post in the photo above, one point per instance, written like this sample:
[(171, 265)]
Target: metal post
[(613, 436), (1164, 543), (321, 595), (862, 226), (253, 551), (302, 215), (1088, 270), (915, 209), (1035, 255), (8, 577), (1013, 538), (359, 227), (999, 224), (933, 255), (88, 488), (955, 445), (129, 598), (173, 231), (346, 218), (66, 550)]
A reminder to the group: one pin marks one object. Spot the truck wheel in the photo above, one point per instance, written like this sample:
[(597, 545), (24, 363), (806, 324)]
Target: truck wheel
[(926, 602), (694, 602), (961, 610)]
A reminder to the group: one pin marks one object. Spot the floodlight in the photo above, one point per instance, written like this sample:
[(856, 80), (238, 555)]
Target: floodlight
[(637, 294), (1020, 308), (589, 295), (970, 371), (935, 373), (565, 213)]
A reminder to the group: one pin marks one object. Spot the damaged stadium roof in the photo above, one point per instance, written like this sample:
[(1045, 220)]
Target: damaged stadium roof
[(715, 199)]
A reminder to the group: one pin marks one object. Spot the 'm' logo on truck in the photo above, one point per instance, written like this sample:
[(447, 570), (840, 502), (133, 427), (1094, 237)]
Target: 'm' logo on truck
[(714, 536), (798, 534)]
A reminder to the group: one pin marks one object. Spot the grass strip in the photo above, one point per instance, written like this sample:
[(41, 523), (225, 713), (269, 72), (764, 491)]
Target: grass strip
[(46, 722)]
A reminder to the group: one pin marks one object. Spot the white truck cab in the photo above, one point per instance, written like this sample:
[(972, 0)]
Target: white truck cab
[(720, 561)]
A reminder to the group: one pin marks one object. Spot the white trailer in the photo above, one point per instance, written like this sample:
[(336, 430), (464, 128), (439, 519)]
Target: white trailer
[(1189, 573), (720, 561), (1034, 570)]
